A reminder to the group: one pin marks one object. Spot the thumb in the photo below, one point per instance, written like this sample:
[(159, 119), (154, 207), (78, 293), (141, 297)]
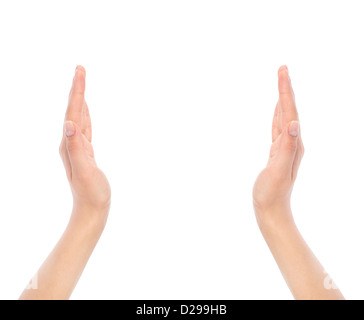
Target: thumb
[(75, 146), (288, 146)]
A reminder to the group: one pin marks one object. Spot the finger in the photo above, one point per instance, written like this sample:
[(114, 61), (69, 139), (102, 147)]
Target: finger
[(77, 97), (89, 150), (286, 97), (64, 156), (86, 123), (299, 155), (287, 148), (75, 147), (276, 128)]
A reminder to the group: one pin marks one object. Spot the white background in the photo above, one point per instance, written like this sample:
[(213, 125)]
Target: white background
[(181, 95)]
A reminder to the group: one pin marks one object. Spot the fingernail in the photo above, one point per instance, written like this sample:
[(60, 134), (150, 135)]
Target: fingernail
[(80, 68), (283, 68), (294, 129), (69, 128)]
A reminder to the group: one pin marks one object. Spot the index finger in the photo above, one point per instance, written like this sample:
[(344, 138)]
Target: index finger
[(287, 102), (77, 96)]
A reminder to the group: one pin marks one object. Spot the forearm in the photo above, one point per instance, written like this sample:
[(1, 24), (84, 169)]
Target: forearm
[(300, 268), (61, 271)]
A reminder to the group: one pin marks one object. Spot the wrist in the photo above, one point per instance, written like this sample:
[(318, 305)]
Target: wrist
[(275, 220), (89, 219)]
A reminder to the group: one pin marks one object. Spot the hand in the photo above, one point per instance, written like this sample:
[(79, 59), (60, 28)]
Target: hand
[(273, 187), (302, 271), (90, 188), (58, 275)]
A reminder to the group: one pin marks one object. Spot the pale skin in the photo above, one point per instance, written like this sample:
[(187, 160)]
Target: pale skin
[(303, 273), (60, 272), (58, 275)]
